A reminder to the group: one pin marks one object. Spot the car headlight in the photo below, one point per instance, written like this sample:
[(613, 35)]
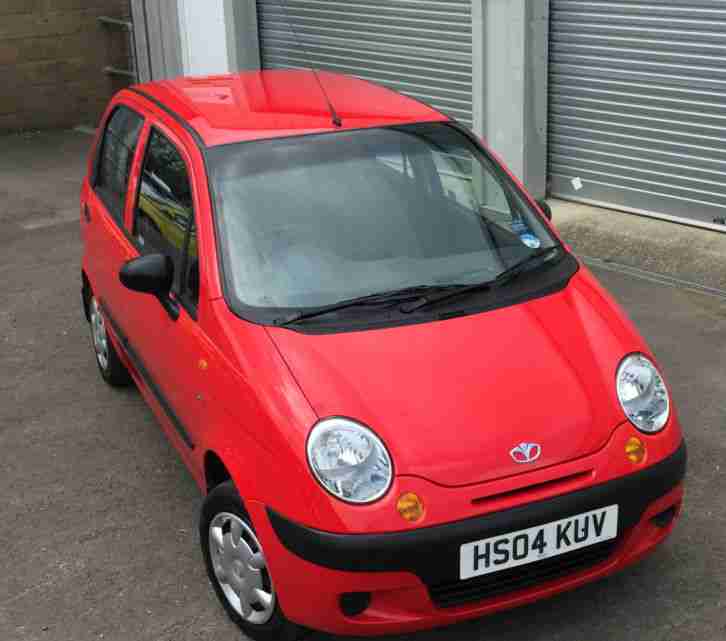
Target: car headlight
[(349, 460), (642, 393)]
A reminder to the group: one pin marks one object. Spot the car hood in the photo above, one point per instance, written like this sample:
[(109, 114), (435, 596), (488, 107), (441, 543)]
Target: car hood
[(452, 398)]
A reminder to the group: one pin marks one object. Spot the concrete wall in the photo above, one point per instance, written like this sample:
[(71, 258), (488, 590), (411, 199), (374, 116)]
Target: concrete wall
[(510, 58), (193, 38), (52, 59), (157, 39)]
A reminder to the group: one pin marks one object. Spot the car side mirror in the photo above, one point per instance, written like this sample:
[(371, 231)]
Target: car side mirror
[(546, 209), (151, 274)]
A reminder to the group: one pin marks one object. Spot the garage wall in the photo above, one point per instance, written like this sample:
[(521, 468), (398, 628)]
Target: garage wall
[(638, 106), (52, 56)]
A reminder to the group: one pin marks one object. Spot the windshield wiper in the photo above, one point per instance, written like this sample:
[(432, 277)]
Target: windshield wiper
[(370, 299), (503, 278)]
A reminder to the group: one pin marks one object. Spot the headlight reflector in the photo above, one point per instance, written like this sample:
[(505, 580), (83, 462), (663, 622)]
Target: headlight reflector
[(642, 393), (349, 460)]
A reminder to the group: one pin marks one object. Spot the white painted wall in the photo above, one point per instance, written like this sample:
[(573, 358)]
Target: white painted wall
[(203, 35)]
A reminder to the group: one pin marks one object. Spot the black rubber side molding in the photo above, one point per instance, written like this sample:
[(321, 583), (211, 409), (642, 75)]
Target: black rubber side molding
[(432, 553)]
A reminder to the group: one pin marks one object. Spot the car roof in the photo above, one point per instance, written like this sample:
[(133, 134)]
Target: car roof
[(254, 105)]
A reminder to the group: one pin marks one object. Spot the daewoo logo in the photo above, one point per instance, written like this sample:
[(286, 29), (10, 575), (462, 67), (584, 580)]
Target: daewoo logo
[(526, 452)]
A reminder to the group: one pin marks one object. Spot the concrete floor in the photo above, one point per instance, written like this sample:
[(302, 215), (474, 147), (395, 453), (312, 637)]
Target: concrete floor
[(97, 516), (689, 253)]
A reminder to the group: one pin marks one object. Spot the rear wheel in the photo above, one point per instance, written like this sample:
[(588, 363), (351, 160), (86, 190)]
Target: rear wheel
[(237, 568), (109, 364)]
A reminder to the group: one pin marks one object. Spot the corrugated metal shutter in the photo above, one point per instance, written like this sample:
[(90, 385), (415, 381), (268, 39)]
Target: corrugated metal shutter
[(638, 104), (420, 48)]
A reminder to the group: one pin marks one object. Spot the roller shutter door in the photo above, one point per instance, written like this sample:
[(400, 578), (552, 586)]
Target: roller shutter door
[(638, 105), (420, 48)]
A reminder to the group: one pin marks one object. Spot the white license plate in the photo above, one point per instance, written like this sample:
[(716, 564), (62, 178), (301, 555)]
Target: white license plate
[(536, 543)]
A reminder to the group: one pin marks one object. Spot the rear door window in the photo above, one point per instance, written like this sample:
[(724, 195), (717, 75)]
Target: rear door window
[(115, 159)]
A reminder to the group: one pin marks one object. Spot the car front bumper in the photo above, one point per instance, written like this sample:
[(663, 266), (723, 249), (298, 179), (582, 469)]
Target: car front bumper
[(412, 576)]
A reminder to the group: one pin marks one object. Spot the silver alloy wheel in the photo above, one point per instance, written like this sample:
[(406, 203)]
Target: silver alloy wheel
[(240, 567), (98, 331)]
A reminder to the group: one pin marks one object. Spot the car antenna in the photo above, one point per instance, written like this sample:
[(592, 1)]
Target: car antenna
[(337, 122)]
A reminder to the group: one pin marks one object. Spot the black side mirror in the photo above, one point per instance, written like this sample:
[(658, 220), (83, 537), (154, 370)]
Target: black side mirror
[(546, 209), (152, 274)]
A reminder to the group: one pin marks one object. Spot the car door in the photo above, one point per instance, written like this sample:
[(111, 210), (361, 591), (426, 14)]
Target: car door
[(107, 246), (170, 351)]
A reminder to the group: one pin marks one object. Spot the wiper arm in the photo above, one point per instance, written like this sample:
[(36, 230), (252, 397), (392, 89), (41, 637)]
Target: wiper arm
[(504, 277), (510, 274), (370, 299)]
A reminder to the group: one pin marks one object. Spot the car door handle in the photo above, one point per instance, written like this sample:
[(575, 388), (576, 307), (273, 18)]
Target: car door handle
[(86, 212)]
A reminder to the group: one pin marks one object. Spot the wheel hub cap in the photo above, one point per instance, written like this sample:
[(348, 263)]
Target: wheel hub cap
[(240, 568), (98, 331)]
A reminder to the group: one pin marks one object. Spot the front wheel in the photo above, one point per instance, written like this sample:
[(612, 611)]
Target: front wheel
[(237, 568)]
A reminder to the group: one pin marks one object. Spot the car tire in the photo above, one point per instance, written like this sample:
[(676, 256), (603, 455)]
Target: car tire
[(113, 371), (228, 539)]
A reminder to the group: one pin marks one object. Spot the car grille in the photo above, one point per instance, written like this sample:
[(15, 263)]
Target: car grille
[(448, 595)]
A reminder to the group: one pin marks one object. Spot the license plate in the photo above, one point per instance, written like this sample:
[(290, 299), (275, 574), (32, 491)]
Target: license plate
[(536, 543)]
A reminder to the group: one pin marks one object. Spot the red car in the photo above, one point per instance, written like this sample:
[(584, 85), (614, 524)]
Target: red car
[(406, 401)]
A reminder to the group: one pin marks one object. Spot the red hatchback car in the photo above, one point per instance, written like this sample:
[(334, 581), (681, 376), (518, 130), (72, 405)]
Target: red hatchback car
[(407, 402)]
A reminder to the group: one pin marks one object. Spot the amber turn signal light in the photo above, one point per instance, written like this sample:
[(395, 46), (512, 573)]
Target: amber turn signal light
[(635, 450), (410, 507)]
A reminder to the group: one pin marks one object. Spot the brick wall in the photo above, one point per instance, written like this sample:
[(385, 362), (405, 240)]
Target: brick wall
[(52, 56)]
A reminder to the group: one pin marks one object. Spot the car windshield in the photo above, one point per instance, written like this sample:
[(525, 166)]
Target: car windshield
[(312, 220)]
